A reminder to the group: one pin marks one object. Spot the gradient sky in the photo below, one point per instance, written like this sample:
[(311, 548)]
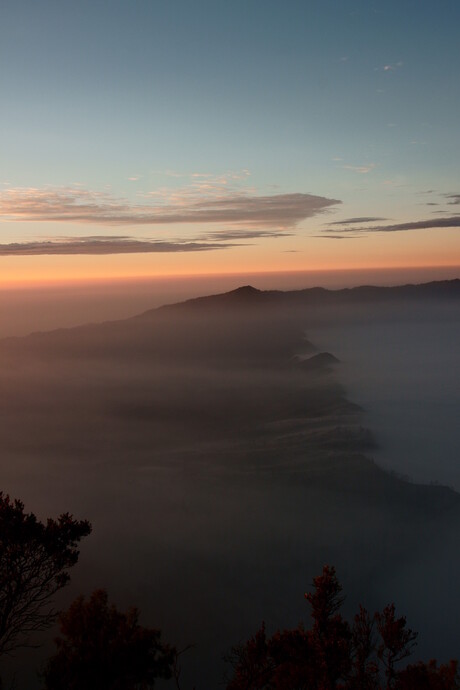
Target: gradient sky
[(153, 138)]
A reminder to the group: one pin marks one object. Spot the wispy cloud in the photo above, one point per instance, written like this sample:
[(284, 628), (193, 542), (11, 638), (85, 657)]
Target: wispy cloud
[(200, 186), (361, 169), (392, 67), (229, 235), (453, 198), (105, 245), (451, 222), (360, 219), (339, 237), (225, 177), (77, 205)]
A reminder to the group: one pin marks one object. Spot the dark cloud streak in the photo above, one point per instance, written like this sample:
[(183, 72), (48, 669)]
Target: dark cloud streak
[(229, 235), (451, 222), (109, 245), (339, 237), (364, 219)]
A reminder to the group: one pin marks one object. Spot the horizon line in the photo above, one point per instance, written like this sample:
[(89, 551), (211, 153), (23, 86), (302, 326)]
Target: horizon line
[(21, 283)]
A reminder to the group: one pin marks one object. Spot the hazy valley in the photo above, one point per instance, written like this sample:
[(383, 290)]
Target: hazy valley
[(220, 452)]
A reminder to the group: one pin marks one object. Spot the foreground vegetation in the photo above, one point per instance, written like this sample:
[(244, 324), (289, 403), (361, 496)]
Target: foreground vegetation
[(364, 655), (101, 648)]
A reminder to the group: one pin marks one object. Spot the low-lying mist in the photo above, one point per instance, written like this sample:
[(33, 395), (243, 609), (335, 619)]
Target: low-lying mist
[(401, 363), (221, 466)]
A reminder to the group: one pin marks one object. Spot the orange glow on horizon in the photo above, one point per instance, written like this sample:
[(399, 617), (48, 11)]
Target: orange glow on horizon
[(79, 278), (302, 254)]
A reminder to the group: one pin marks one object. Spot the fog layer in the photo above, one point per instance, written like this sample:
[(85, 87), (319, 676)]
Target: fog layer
[(222, 464), (402, 364)]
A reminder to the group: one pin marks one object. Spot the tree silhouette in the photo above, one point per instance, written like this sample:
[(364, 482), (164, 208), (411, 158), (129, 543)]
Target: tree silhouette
[(330, 637), (396, 643), (281, 661), (364, 668), (101, 648), (299, 658), (34, 561), (429, 676), (333, 655)]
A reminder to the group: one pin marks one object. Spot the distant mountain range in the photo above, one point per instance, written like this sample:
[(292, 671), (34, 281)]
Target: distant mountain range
[(249, 295), (206, 326)]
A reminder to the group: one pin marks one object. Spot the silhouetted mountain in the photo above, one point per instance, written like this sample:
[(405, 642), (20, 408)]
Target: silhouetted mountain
[(245, 297), (320, 362), (250, 297), (241, 296), (206, 328)]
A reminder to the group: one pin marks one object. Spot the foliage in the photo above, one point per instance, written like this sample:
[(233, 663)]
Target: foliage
[(334, 655), (330, 637), (396, 643), (104, 649), (429, 676), (34, 561)]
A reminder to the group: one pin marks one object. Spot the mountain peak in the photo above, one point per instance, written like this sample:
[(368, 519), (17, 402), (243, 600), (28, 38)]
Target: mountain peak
[(246, 294), (245, 290)]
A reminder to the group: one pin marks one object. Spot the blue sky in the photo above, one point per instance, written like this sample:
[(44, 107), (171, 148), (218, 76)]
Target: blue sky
[(355, 102)]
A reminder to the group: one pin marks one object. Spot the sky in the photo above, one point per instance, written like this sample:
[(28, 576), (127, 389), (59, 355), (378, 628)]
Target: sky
[(154, 138)]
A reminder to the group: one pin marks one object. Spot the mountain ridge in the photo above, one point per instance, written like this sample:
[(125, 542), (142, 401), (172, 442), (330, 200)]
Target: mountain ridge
[(248, 295), (248, 298)]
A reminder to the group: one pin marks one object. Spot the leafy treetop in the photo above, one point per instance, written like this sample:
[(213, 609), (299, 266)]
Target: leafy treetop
[(34, 561)]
